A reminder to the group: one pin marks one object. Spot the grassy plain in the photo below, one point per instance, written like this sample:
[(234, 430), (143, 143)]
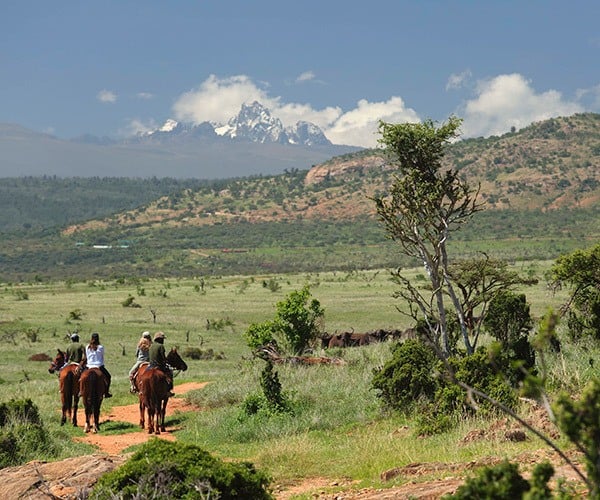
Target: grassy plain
[(338, 428)]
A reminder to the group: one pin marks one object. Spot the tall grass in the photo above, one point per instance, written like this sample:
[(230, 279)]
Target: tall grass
[(337, 427)]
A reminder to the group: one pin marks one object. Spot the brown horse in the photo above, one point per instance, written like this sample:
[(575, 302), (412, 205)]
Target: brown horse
[(93, 385), (68, 381), (154, 392)]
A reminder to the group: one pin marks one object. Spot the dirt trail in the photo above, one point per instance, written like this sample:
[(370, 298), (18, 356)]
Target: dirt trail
[(114, 444)]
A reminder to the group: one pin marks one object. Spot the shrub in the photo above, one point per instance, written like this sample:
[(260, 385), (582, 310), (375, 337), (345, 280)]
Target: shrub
[(294, 327), (503, 482), (22, 435), (408, 382), (163, 469), (508, 317), (407, 378), (272, 400)]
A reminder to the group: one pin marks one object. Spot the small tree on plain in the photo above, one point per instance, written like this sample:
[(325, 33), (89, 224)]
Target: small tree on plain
[(426, 203)]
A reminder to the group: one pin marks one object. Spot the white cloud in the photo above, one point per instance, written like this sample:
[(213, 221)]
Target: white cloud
[(106, 96), (507, 101), (137, 126), (145, 95), (458, 80), (358, 127), (218, 100), (305, 77)]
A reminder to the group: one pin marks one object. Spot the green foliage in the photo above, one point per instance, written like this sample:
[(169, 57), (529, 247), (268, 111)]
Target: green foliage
[(407, 378), (163, 469), (295, 326), (130, 302), (75, 315), (580, 421), (272, 285), (408, 383), (426, 203), (260, 334), (272, 400), (23, 437), (298, 319), (508, 317), (504, 482), (580, 270)]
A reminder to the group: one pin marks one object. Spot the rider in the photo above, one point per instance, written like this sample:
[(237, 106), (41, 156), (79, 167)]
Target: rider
[(94, 358), (142, 354), (75, 351), (158, 359)]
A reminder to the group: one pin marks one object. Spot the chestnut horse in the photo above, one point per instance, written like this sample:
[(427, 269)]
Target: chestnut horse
[(93, 385), (154, 392), (68, 381)]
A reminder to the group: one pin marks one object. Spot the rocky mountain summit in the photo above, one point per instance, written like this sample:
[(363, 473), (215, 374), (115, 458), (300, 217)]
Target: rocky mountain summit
[(254, 123)]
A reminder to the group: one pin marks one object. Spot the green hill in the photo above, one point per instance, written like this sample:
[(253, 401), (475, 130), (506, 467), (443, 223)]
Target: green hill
[(541, 186)]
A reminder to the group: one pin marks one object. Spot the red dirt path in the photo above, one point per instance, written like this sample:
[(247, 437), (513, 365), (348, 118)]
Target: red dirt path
[(114, 444)]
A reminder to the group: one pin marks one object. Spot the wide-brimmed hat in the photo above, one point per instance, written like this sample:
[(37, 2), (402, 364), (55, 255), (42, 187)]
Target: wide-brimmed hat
[(74, 336), (147, 335), (159, 335)]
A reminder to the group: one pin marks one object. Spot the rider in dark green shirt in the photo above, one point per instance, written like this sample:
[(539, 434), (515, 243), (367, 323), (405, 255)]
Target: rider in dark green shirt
[(158, 358), (75, 351)]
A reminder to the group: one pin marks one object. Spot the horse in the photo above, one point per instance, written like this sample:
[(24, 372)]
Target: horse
[(68, 381), (154, 392), (93, 385)]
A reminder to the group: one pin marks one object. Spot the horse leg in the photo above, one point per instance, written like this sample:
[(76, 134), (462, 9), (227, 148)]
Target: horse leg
[(163, 412), (87, 419), (150, 420), (142, 414), (75, 406), (157, 419)]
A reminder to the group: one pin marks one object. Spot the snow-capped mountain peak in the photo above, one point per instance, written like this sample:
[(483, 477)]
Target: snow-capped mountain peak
[(169, 125), (253, 123)]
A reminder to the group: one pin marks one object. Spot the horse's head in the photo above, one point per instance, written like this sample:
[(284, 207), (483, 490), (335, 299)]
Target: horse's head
[(58, 362), (175, 361)]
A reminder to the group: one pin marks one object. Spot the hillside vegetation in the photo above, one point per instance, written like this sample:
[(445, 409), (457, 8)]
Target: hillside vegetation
[(540, 185)]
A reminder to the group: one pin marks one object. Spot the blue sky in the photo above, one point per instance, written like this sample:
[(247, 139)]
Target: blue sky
[(114, 68)]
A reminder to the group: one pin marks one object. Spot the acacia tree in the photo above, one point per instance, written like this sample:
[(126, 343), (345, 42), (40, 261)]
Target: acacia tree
[(580, 271), (425, 204), (480, 282)]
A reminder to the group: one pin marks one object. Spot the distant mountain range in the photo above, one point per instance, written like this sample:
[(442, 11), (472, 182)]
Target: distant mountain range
[(251, 143)]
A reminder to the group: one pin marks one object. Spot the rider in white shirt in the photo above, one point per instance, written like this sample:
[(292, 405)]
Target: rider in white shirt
[(94, 358)]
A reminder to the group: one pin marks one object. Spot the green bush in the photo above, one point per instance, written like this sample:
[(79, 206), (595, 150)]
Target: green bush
[(22, 434), (163, 469), (294, 327), (503, 482), (406, 379), (508, 317), (272, 400), (408, 382)]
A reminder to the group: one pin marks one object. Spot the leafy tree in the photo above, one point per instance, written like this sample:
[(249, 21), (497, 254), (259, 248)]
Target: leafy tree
[(299, 319), (580, 270), (425, 205), (295, 326), (480, 282), (508, 317)]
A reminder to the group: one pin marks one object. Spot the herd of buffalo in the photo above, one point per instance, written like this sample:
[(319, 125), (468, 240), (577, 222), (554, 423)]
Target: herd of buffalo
[(352, 339)]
